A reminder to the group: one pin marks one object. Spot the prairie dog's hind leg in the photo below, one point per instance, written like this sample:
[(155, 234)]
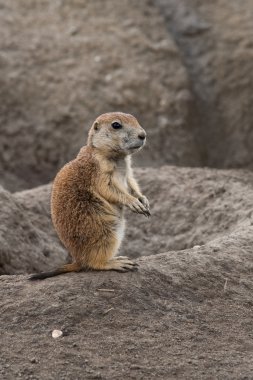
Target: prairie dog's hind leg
[(101, 261), (103, 258), (121, 264), (103, 254)]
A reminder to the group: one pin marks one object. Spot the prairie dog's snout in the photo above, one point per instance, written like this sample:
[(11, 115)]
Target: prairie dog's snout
[(142, 135), (136, 138)]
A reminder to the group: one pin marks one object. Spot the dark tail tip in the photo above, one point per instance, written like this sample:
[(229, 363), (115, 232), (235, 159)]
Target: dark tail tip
[(43, 275)]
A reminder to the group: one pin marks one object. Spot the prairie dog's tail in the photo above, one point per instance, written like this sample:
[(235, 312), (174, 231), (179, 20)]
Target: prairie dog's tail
[(73, 267)]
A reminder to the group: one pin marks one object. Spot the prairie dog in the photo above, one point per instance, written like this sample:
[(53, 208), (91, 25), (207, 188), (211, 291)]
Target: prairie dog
[(89, 195)]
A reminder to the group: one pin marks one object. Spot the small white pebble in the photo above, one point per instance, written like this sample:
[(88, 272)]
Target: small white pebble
[(196, 246), (97, 58), (108, 77), (57, 333)]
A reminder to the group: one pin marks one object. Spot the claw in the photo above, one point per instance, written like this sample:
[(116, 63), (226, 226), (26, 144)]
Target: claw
[(140, 207)]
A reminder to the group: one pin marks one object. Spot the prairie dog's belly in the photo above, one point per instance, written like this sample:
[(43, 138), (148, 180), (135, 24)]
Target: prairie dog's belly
[(120, 231)]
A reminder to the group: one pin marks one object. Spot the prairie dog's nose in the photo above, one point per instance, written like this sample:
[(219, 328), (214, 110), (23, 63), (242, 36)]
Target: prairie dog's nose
[(142, 135)]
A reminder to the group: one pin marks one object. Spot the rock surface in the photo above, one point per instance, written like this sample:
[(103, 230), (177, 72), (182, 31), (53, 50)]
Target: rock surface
[(184, 314), (63, 63), (186, 74), (215, 41), (28, 242), (189, 207)]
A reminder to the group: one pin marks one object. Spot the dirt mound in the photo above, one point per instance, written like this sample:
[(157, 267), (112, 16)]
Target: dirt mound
[(183, 315), (63, 63), (27, 240), (215, 40), (189, 207)]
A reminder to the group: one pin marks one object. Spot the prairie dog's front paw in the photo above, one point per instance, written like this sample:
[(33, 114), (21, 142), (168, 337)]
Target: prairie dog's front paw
[(137, 206), (144, 201)]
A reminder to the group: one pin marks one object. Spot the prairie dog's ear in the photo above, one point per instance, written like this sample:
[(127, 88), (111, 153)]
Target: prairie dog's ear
[(95, 125)]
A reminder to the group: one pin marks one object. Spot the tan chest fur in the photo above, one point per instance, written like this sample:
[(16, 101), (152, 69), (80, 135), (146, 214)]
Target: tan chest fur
[(119, 169), (120, 172)]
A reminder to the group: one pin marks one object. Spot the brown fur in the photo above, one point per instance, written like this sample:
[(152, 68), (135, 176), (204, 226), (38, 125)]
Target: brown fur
[(89, 195)]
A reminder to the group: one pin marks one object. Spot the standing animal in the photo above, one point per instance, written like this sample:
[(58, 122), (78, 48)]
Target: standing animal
[(90, 193)]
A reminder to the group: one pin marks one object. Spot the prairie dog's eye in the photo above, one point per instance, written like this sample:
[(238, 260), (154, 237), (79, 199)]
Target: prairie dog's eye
[(116, 125)]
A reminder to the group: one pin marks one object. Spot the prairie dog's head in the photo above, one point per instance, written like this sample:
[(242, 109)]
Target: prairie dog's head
[(117, 133)]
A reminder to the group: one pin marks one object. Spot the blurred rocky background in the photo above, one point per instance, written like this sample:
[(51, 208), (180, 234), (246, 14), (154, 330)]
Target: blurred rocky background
[(183, 68)]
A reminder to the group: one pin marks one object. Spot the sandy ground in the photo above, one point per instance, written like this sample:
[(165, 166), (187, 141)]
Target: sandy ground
[(185, 315)]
